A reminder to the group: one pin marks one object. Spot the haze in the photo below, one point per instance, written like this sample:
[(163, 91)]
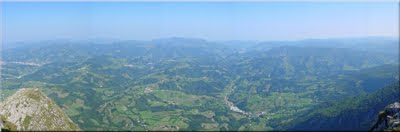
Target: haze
[(24, 21)]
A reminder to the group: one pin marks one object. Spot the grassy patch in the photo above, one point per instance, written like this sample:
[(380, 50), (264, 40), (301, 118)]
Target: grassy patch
[(26, 122)]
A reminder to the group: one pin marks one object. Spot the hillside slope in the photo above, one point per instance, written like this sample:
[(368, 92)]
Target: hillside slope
[(353, 113), (30, 109)]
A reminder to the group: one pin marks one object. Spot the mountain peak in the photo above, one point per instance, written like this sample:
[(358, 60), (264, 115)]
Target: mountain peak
[(30, 109), (389, 119)]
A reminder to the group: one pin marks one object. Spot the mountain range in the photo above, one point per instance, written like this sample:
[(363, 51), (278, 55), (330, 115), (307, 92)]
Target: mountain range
[(195, 84)]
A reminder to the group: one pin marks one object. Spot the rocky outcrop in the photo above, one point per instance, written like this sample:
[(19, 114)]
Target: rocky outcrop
[(389, 119), (30, 109), (6, 125)]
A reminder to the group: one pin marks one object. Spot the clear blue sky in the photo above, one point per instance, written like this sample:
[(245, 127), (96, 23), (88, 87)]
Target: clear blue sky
[(23, 21)]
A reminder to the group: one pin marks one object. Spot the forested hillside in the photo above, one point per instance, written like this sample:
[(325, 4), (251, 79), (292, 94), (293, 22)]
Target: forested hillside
[(194, 84)]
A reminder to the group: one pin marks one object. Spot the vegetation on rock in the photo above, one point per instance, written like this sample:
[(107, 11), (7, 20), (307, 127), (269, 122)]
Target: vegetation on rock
[(29, 109)]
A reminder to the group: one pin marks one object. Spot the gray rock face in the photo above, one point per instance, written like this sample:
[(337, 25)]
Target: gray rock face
[(30, 109), (393, 108), (388, 120)]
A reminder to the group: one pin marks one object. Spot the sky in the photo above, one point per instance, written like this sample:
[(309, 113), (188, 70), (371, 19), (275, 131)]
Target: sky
[(32, 21)]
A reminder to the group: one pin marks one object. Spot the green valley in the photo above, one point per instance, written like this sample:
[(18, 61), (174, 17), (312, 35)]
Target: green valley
[(194, 84)]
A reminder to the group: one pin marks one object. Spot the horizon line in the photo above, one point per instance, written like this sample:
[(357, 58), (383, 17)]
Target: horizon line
[(199, 38)]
